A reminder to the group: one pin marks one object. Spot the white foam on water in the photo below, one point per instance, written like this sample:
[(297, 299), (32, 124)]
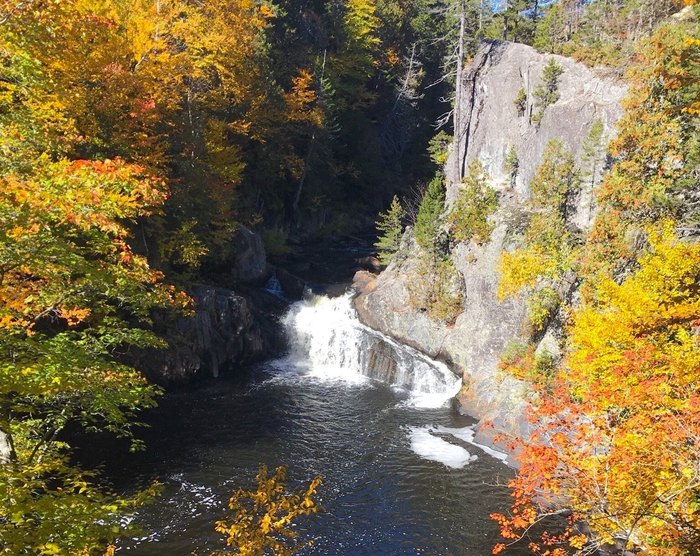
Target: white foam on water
[(329, 343), (467, 434), (434, 448)]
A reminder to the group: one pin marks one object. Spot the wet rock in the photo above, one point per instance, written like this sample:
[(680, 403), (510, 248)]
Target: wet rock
[(225, 331), (292, 286)]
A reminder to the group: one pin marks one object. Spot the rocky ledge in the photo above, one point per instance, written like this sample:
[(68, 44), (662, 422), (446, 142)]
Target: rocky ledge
[(492, 125)]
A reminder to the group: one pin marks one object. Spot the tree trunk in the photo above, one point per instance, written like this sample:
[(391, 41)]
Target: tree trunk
[(7, 448)]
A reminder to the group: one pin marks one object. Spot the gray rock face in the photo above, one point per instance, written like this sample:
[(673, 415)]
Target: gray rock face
[(249, 262), (226, 330), (491, 124)]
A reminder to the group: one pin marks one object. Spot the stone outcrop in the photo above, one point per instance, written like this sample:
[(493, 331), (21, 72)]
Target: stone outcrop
[(229, 328), (492, 124), (226, 330)]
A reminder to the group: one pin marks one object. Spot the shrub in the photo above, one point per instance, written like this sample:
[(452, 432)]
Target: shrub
[(520, 101), (521, 360), (437, 289)]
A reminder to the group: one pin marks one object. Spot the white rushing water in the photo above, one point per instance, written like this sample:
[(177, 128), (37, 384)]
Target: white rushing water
[(328, 341)]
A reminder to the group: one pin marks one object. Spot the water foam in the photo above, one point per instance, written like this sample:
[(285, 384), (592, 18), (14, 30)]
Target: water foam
[(433, 448), (329, 342), (467, 434)]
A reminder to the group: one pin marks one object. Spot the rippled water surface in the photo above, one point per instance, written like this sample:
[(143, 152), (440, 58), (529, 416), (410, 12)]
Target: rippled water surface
[(380, 496)]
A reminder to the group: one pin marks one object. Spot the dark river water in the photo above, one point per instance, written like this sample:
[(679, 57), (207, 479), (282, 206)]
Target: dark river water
[(399, 477), (380, 497), (400, 474)]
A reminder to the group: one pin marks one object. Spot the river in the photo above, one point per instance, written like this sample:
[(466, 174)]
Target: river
[(373, 418)]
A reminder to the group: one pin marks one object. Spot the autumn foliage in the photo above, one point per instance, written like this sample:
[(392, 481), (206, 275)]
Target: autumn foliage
[(615, 449), (618, 437), (264, 519)]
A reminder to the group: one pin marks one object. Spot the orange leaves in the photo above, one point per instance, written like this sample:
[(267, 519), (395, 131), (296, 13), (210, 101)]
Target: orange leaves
[(617, 434), (301, 100)]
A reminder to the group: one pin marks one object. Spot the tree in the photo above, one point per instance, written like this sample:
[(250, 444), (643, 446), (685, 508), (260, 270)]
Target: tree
[(428, 218), (593, 154), (618, 434), (514, 21), (476, 202), (548, 251), (520, 101), (390, 224), (546, 91), (511, 164), (263, 521), (73, 296), (655, 151), (353, 66)]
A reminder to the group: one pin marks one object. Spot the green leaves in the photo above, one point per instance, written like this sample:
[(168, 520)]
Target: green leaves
[(477, 201), (390, 228)]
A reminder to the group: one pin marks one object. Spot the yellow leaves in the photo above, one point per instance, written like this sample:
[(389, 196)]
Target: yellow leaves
[(301, 99), (519, 269), (261, 519), (266, 12), (73, 315), (50, 549)]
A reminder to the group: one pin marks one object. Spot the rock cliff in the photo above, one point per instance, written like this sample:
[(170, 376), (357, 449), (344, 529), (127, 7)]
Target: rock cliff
[(491, 125), (229, 327)]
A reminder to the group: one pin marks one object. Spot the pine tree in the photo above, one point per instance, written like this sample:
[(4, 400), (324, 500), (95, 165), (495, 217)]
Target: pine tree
[(390, 224), (546, 92), (429, 212), (593, 158)]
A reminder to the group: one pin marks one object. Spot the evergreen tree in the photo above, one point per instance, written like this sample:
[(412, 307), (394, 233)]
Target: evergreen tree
[(593, 158), (511, 164), (390, 225), (546, 92), (428, 218)]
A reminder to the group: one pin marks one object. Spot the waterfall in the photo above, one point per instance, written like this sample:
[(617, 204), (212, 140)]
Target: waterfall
[(328, 339)]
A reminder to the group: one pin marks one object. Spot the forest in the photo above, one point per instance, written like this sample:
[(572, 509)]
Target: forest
[(138, 136)]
